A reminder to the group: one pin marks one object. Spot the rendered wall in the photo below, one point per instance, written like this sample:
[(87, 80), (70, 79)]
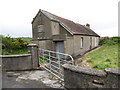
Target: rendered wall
[(55, 28), (23, 61), (78, 77), (16, 62), (41, 19), (86, 44), (69, 46)]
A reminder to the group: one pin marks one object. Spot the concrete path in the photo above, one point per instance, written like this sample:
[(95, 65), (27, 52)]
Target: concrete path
[(30, 79), (9, 81)]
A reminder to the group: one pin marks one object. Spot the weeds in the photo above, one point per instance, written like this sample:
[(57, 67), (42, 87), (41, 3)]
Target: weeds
[(43, 59)]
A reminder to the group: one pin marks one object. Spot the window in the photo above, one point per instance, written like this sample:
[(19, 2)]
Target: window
[(81, 42), (40, 28), (96, 41), (40, 31), (90, 42)]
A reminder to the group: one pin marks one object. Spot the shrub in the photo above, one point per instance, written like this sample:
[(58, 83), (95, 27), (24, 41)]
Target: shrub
[(109, 41), (7, 43), (11, 44)]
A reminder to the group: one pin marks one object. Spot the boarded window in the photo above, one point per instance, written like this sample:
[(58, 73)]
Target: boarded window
[(40, 28), (81, 42)]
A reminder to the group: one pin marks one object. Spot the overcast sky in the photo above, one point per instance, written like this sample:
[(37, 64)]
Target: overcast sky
[(16, 15)]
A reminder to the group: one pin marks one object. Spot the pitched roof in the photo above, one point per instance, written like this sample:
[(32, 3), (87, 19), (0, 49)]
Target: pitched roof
[(70, 26)]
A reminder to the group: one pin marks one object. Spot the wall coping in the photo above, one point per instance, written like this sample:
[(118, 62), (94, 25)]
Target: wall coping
[(113, 71), (32, 45), (8, 56), (85, 70)]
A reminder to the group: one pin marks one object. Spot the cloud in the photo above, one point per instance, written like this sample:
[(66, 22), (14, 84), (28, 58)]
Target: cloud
[(108, 32), (18, 14)]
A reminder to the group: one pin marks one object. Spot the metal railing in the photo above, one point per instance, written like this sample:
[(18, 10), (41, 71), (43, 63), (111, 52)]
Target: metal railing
[(53, 62)]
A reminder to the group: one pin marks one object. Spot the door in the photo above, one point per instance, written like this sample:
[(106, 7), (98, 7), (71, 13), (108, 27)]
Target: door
[(59, 48)]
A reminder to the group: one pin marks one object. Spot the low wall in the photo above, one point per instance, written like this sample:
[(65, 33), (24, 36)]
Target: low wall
[(78, 77), (21, 62), (16, 62)]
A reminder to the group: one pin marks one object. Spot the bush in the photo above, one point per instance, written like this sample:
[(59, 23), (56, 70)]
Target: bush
[(109, 41), (7, 43), (11, 44)]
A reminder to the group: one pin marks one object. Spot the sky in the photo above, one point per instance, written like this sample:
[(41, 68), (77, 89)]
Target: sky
[(16, 15)]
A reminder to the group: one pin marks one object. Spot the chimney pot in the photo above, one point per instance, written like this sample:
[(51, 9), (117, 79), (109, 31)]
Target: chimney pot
[(88, 25)]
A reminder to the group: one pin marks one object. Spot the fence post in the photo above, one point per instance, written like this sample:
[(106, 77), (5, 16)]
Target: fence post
[(33, 50)]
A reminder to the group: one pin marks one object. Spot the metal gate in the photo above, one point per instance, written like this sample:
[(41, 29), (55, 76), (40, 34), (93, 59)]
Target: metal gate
[(54, 63)]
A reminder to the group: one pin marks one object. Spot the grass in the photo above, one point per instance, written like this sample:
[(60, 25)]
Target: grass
[(104, 57), (43, 59), (16, 52)]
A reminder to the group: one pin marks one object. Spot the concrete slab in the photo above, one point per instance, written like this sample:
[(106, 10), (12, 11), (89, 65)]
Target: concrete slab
[(30, 79)]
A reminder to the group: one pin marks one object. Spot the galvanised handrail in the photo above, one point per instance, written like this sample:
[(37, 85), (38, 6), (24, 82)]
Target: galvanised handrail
[(60, 53)]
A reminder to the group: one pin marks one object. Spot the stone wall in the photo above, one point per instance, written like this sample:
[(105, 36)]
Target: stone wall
[(16, 62), (78, 77)]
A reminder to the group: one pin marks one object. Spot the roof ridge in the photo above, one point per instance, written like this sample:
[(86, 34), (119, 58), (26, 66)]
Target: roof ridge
[(58, 16)]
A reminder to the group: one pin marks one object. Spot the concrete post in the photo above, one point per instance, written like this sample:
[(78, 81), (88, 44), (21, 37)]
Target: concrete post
[(33, 50)]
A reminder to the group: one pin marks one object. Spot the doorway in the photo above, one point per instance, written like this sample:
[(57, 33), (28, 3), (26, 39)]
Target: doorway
[(59, 47)]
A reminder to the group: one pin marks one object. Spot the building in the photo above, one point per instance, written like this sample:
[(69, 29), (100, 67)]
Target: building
[(55, 33)]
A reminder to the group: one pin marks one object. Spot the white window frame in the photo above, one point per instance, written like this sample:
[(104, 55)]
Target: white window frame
[(96, 41), (81, 42)]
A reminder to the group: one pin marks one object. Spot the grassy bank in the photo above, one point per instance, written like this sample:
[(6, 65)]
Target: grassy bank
[(104, 57)]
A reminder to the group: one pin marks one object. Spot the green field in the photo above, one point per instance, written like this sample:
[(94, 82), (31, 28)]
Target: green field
[(104, 57), (15, 52)]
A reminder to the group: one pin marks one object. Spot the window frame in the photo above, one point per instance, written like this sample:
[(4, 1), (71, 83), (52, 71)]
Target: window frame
[(81, 42)]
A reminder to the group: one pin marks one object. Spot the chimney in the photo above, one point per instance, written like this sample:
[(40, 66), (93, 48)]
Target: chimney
[(88, 25)]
